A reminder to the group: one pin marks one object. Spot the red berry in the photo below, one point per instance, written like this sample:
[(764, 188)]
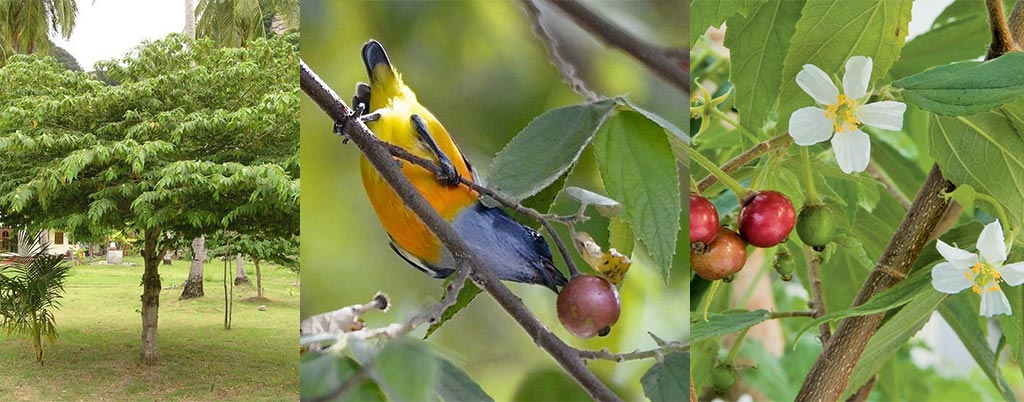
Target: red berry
[(724, 256), (703, 220), (588, 305), (767, 218)]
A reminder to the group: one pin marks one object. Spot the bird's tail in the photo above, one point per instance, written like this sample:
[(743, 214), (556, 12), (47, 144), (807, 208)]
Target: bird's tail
[(383, 77)]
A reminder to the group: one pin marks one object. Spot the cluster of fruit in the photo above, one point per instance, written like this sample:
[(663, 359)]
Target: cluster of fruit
[(766, 219)]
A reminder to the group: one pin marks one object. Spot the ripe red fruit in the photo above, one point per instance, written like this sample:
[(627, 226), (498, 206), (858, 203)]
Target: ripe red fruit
[(703, 220), (724, 256), (588, 305), (767, 218)]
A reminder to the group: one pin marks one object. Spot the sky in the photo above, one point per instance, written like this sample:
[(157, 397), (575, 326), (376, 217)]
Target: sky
[(108, 29)]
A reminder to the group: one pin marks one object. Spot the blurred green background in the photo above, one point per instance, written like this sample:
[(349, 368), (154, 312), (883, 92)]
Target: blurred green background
[(480, 69)]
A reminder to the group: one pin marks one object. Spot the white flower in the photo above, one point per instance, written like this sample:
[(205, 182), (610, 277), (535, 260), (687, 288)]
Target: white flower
[(843, 113), (982, 274)]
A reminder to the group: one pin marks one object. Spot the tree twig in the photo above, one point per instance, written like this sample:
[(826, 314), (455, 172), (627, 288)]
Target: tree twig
[(817, 298), (1002, 39), (656, 353), (831, 372), (777, 142), (1016, 23), (790, 314), (465, 258), (879, 175), (656, 59), (566, 69)]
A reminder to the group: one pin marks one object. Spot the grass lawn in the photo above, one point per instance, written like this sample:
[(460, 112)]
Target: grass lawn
[(97, 358)]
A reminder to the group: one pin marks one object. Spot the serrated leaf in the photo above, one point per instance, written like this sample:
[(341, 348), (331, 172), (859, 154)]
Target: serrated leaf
[(967, 87), (668, 380), (546, 149), (454, 385), (705, 14), (466, 295), (985, 151), (758, 43), (961, 37), (831, 31), (406, 370), (323, 374), (639, 170), (719, 324), (620, 235)]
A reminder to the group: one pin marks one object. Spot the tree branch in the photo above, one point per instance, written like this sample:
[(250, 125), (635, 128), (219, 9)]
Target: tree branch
[(1002, 39), (381, 160), (656, 353), (777, 142), (830, 374), (817, 301), (1016, 23), (566, 69), (657, 60)]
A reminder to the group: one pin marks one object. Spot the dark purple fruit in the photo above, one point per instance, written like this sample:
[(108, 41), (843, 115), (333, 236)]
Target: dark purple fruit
[(588, 306)]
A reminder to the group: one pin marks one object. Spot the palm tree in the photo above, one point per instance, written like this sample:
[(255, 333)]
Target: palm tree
[(25, 25), (236, 22), (30, 289)]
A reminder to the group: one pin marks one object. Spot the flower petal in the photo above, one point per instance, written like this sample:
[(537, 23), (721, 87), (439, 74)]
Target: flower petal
[(960, 258), (991, 243), (816, 83), (1013, 274), (853, 150), (809, 126), (857, 76), (887, 115), (995, 302), (948, 278)]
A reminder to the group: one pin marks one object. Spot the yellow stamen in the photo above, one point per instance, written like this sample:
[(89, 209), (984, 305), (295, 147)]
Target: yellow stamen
[(843, 114), (986, 278)]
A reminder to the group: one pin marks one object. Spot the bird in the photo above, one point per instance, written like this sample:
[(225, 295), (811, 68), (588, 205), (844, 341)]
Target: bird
[(390, 110)]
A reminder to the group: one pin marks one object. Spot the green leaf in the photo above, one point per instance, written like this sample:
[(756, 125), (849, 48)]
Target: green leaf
[(830, 32), (719, 324), (891, 335), (549, 385), (985, 151), (639, 171), (620, 236), (705, 14), (914, 286), (961, 31), (454, 385), (466, 295), (546, 149), (324, 374), (758, 44), (1013, 325), (967, 87), (668, 380), (406, 370), (962, 315)]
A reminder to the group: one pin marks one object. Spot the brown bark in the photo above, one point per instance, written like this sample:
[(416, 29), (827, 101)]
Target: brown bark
[(830, 374), (194, 284), (259, 279), (150, 296)]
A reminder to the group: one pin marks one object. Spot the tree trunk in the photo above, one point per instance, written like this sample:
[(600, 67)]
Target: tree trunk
[(194, 284), (167, 259), (150, 296), (259, 279), (190, 18), (240, 276)]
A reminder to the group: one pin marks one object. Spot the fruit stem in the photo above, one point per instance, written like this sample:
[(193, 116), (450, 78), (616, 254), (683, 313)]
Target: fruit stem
[(694, 188), (725, 117), (812, 193), (710, 296), (736, 346), (723, 177)]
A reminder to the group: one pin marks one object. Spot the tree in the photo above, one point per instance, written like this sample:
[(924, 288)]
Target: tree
[(236, 22), (193, 139), (25, 26), (194, 283), (281, 251)]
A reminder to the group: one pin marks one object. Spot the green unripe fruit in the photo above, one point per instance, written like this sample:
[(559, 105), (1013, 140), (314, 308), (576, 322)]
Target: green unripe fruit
[(783, 264), (816, 226), (723, 377)]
